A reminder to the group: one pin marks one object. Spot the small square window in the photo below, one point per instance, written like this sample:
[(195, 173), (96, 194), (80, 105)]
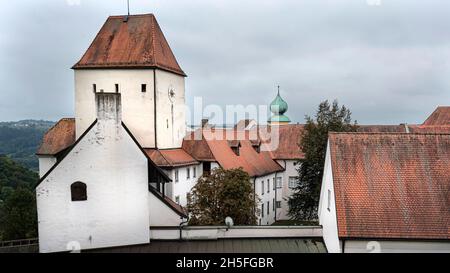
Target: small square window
[(188, 173), (279, 182), (262, 187), (143, 88), (194, 172), (177, 199), (293, 182), (268, 185), (278, 204)]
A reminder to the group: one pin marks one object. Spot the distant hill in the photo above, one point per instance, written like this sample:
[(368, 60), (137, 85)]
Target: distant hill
[(19, 140), (14, 175)]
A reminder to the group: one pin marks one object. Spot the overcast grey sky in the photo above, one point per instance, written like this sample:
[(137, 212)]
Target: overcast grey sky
[(387, 63)]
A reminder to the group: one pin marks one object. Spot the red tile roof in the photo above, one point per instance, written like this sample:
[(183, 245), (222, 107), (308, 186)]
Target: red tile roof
[(138, 42), (58, 138), (170, 157), (392, 185), (214, 144), (288, 147), (440, 116), (401, 128)]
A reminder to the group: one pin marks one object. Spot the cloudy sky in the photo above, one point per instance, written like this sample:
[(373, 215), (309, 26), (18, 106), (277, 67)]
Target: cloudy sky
[(388, 63)]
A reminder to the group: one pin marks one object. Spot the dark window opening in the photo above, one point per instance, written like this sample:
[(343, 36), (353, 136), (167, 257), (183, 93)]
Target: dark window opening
[(78, 191), (94, 87), (206, 168), (143, 88), (117, 87)]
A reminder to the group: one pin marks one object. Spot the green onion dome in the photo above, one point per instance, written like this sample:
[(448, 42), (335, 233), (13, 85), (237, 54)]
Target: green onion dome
[(278, 107)]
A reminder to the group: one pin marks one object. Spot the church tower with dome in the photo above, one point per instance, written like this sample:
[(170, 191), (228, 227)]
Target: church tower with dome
[(278, 107)]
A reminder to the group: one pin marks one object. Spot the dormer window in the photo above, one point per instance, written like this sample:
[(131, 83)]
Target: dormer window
[(235, 145), (256, 144)]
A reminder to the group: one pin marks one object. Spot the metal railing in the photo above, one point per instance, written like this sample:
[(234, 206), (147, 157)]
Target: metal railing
[(22, 242)]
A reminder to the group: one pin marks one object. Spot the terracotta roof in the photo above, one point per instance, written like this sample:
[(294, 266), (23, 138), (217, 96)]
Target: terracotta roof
[(440, 129), (214, 144), (440, 116), (58, 138), (137, 42), (288, 142), (392, 185), (170, 157), (401, 128)]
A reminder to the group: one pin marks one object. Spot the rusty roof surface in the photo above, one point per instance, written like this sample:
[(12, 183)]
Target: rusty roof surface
[(216, 145), (288, 143), (401, 128), (170, 157), (58, 138), (440, 116), (137, 42), (392, 185)]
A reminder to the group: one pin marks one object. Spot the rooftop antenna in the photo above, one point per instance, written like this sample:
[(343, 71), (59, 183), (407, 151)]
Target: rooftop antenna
[(125, 19)]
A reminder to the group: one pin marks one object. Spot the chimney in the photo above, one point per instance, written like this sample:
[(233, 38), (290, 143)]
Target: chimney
[(108, 106), (205, 122)]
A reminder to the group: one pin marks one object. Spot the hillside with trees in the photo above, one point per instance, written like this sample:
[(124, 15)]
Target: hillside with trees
[(20, 140), (18, 218)]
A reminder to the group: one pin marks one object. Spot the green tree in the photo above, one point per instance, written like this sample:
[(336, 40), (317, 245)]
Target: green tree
[(303, 203), (18, 217), (223, 193)]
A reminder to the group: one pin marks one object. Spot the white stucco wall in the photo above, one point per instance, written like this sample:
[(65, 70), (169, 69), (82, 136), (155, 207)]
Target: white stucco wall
[(352, 246), (327, 215), (285, 192), (268, 196), (45, 164), (160, 214), (184, 184), (171, 124), (137, 106), (116, 211)]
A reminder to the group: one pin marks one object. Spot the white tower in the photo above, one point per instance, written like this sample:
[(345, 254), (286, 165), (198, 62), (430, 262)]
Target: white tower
[(131, 56)]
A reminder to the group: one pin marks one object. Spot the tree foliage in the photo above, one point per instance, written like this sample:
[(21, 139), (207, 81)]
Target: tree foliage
[(303, 204), (223, 193), (18, 219)]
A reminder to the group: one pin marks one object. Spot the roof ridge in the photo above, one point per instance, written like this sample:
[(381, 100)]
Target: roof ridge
[(387, 133)]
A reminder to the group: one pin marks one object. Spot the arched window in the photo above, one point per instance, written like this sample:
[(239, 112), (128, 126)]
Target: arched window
[(78, 191)]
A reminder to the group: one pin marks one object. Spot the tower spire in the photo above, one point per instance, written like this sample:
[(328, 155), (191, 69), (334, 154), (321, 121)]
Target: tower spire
[(278, 107)]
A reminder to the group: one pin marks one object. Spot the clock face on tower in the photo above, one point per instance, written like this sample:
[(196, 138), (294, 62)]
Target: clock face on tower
[(171, 93)]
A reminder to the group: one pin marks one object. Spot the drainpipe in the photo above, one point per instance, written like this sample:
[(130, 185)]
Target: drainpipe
[(254, 195), (276, 190), (182, 224)]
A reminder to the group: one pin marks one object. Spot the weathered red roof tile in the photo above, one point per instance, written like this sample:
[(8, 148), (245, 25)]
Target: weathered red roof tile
[(391, 185), (137, 43), (440, 116), (170, 157), (58, 138), (216, 145)]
